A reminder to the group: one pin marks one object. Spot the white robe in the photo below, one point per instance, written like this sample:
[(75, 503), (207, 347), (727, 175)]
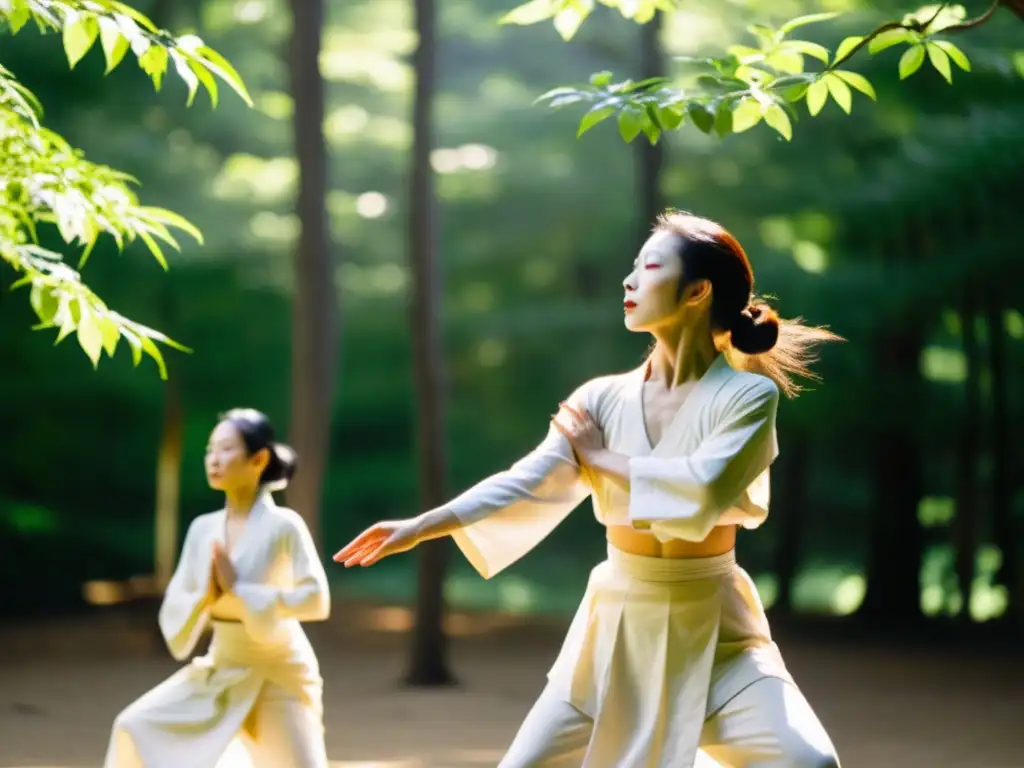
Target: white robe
[(260, 677), (656, 644)]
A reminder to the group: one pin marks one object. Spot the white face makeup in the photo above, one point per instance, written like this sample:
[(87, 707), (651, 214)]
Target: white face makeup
[(652, 297)]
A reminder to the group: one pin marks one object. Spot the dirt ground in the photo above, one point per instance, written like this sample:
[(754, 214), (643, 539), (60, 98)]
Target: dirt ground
[(61, 684)]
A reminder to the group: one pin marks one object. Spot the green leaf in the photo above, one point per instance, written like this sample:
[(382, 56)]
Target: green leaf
[(631, 122), (890, 38), (44, 303), (807, 48), (220, 66), (802, 21), (18, 16), (79, 35), (669, 118), (592, 118), (840, 92), (846, 46), (172, 219), (186, 74), (858, 81), (911, 61), (153, 351), (745, 115), (531, 13), (817, 95), (1018, 62), (958, 56), (940, 61), (89, 336), (700, 116), (571, 17), (154, 248), (723, 119), (776, 117), (788, 62), (209, 81), (110, 334), (601, 79), (154, 64), (135, 344), (115, 45)]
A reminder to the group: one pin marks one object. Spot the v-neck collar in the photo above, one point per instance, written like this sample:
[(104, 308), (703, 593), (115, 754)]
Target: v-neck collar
[(719, 367), (263, 501)]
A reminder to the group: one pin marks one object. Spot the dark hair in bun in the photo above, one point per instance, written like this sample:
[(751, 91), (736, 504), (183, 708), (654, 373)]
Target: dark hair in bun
[(755, 330), (258, 433)]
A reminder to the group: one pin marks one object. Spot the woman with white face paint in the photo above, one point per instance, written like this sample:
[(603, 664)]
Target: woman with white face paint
[(670, 652)]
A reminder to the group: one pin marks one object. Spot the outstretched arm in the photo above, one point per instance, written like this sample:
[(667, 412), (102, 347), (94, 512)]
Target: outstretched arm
[(495, 522)]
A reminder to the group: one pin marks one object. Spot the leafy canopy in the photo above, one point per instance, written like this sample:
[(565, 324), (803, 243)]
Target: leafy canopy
[(763, 81), (45, 180)]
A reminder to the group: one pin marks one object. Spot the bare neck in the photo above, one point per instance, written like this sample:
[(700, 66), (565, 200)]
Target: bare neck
[(682, 354), (239, 502)]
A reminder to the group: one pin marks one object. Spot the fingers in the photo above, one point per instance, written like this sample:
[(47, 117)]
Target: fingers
[(366, 538), (568, 434), (575, 414)]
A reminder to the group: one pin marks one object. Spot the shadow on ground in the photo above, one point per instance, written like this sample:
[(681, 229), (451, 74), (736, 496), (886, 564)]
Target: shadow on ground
[(61, 683)]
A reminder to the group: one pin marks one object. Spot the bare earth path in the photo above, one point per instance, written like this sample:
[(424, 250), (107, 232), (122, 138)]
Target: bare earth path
[(62, 683)]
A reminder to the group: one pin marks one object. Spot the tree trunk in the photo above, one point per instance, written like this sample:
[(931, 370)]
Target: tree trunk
[(168, 484), (429, 660), (650, 159), (314, 304), (897, 539), (965, 524), (794, 498)]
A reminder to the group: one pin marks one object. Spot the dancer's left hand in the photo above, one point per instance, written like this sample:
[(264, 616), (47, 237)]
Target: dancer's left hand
[(223, 568), (580, 429)]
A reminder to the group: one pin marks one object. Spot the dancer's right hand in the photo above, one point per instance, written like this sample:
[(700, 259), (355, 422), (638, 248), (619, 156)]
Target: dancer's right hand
[(378, 541)]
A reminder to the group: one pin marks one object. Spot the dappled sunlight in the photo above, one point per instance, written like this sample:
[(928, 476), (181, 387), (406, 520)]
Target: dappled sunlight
[(374, 281), (934, 511), (274, 228), (835, 590), (260, 179), (351, 124), (371, 205), (400, 620), (810, 257), (468, 157), (767, 586), (275, 104), (1014, 323), (491, 353), (943, 364), (371, 51)]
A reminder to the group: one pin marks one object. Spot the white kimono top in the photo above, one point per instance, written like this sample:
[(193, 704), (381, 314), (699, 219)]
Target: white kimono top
[(709, 468)]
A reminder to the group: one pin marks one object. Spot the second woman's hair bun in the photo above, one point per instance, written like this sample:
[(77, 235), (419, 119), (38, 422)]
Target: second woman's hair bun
[(756, 329)]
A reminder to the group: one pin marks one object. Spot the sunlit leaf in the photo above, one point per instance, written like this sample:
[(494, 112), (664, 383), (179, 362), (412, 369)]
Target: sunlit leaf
[(592, 118), (631, 122), (601, 79), (958, 56), (846, 46), (857, 81), (940, 61), (817, 95), (911, 61), (531, 12), (807, 48), (79, 36), (89, 336), (745, 115), (114, 44), (890, 38), (840, 92), (570, 17), (1018, 62), (802, 21), (776, 117)]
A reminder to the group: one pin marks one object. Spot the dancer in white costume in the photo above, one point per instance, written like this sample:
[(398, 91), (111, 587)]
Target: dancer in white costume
[(670, 650), (251, 571)]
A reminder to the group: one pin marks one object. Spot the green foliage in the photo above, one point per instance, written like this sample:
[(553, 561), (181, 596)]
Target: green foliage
[(761, 82), (44, 180)]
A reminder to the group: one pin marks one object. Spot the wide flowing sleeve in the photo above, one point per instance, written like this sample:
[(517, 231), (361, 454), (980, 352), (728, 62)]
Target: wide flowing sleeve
[(185, 610), (511, 512), (306, 597), (684, 497)]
